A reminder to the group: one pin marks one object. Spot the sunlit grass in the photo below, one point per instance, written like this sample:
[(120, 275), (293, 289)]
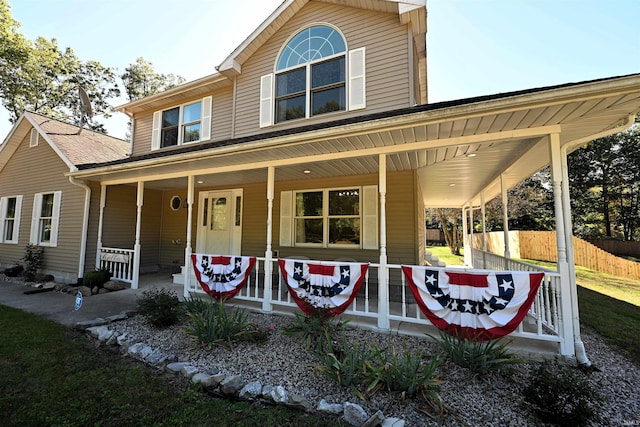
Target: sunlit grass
[(444, 254)]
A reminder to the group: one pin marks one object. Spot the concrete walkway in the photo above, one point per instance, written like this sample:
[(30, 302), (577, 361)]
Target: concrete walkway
[(60, 307)]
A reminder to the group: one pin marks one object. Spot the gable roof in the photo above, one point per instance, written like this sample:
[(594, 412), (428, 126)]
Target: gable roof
[(410, 11), (74, 145)]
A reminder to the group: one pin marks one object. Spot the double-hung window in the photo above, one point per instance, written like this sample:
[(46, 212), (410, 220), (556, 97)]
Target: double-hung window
[(10, 211), (45, 218), (345, 217), (314, 74), (182, 124)]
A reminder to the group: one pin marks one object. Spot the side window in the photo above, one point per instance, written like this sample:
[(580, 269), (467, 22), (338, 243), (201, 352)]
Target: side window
[(45, 219), (10, 213), (182, 124), (312, 74)]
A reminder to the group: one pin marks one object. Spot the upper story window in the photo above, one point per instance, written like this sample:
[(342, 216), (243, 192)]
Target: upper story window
[(182, 124), (10, 210), (314, 74), (310, 74)]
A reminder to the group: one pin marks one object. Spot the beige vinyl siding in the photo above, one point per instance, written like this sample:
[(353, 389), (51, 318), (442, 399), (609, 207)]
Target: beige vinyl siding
[(221, 121), (387, 74), (254, 220), (150, 226), (34, 170), (401, 218), (174, 229)]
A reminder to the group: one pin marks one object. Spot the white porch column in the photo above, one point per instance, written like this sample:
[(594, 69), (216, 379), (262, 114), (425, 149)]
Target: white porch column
[(136, 246), (471, 240), (103, 200), (268, 253), (483, 213), (187, 248), (581, 354), (567, 313), (383, 272), (466, 247), (505, 219)]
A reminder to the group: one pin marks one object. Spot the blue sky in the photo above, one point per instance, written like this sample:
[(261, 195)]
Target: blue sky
[(474, 47)]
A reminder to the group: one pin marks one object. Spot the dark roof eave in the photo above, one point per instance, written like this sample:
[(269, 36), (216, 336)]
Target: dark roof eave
[(344, 122)]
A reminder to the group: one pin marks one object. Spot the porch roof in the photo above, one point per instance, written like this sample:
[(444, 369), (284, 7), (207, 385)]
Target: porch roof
[(460, 148)]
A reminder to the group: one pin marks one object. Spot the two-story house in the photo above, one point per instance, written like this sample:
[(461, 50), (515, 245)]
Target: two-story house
[(315, 140)]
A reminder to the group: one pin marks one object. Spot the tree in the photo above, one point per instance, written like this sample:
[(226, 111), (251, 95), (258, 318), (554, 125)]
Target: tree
[(450, 223), (604, 179), (140, 80), (39, 77)]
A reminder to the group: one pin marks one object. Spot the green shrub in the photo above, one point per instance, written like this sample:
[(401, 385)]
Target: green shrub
[(31, 261), (480, 357), (161, 307), (562, 395), (318, 331), (212, 324), (96, 278), (407, 374), (13, 271)]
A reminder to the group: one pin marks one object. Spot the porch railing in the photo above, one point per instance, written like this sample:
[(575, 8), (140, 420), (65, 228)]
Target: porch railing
[(542, 323), (119, 262)]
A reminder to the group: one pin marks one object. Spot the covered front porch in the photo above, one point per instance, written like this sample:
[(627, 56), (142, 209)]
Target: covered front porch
[(454, 155)]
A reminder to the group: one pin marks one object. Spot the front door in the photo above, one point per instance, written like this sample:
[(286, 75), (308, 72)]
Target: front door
[(219, 222)]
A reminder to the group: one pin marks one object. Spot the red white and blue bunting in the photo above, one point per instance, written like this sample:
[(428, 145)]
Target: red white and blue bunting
[(317, 285), (221, 276), (481, 304)]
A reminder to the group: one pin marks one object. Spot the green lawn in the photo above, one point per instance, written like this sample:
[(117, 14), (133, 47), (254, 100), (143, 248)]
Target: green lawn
[(51, 376)]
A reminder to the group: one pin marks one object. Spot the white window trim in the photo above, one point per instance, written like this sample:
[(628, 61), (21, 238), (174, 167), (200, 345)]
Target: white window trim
[(368, 218), (205, 123), (33, 138), (34, 237), (16, 219)]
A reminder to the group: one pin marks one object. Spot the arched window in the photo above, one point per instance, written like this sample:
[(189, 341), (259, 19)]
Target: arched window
[(310, 74)]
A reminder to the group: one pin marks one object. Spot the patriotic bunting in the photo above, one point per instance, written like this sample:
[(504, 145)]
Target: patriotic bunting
[(222, 276), (317, 285), (482, 304)]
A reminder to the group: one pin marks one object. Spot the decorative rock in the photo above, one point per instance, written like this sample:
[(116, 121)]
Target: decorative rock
[(145, 352), (354, 414), (123, 339), (86, 291), (158, 357), (97, 331), (188, 371), (135, 349), (206, 380), (115, 285), (176, 367), (331, 408), (251, 390), (266, 392), (89, 323), (279, 394), (298, 401), (393, 422), (231, 385), (375, 420), (95, 290), (103, 291)]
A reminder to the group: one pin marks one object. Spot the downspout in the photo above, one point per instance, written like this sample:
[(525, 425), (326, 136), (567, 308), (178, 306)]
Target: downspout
[(85, 225)]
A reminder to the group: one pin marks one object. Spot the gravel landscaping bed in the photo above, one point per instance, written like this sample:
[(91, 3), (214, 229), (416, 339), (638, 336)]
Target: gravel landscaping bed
[(495, 400)]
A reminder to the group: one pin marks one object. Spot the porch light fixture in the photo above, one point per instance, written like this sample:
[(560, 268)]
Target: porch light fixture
[(199, 181), (452, 185), (472, 155), (306, 171)]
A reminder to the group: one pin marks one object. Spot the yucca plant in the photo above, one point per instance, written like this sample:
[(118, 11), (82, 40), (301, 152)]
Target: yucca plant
[(479, 356), (318, 331), (214, 325), (346, 367), (406, 373)]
